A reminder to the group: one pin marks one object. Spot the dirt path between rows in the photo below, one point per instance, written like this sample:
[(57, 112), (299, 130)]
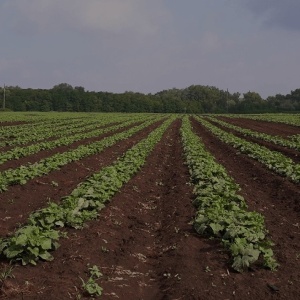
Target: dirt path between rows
[(14, 123), (54, 137), (271, 128), (19, 201), (36, 157), (291, 153), (145, 245), (279, 202)]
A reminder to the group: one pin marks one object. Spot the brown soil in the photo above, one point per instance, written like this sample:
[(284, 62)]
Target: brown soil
[(15, 163), (144, 243), (55, 137), (271, 128), (291, 153), (279, 202), (17, 203)]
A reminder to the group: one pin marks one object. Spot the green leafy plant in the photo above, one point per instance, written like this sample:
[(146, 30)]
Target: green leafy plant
[(292, 143), (29, 244), (221, 212), (35, 240), (6, 273), (22, 174), (90, 286), (273, 160)]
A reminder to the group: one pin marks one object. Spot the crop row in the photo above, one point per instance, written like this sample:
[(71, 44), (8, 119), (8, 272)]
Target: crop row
[(293, 144), (221, 211), (34, 117), (32, 133), (22, 174), (40, 235), (289, 119), (65, 140), (13, 131), (273, 160), (67, 128)]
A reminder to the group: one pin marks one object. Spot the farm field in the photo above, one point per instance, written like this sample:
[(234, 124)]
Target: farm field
[(164, 206)]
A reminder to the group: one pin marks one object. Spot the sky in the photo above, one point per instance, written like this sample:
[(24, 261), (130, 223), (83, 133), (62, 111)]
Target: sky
[(151, 45)]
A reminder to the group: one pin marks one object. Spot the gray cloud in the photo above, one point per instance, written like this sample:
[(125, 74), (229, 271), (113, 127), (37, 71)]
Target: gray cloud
[(114, 16), (148, 46), (277, 13)]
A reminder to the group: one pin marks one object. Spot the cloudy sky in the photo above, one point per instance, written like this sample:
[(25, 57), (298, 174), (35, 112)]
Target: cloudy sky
[(150, 45)]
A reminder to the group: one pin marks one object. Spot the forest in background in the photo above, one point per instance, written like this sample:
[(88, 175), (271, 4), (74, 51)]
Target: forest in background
[(193, 99)]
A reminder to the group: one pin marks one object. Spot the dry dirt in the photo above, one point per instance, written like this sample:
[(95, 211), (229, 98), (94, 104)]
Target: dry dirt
[(144, 242)]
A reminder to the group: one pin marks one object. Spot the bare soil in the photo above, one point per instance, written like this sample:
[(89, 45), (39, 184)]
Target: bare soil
[(15, 163), (271, 128), (19, 201), (291, 153), (144, 242)]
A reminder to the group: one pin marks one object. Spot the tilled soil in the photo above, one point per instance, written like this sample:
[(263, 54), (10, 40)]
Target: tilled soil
[(19, 201), (271, 128), (144, 242), (291, 153), (36, 157), (278, 200)]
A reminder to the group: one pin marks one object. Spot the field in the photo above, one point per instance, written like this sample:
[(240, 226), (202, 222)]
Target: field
[(149, 206)]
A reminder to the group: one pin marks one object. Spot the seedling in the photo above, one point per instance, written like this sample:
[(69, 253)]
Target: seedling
[(90, 286), (104, 249), (207, 269), (6, 273)]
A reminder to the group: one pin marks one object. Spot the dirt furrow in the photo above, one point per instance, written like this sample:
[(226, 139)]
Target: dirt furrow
[(17, 203), (291, 153), (145, 245), (279, 202), (54, 137), (151, 259), (272, 128), (60, 149), (143, 242)]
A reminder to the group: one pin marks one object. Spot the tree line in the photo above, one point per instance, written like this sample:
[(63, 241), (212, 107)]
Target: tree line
[(193, 99)]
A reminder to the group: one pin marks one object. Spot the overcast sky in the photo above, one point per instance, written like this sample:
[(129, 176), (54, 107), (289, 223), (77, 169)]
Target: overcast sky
[(151, 45)]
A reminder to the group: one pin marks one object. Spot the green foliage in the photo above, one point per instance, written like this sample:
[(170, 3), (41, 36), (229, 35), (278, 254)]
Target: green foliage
[(29, 244), (221, 212), (6, 273), (91, 287), (35, 240), (22, 174), (273, 160), (48, 217), (192, 99), (293, 142)]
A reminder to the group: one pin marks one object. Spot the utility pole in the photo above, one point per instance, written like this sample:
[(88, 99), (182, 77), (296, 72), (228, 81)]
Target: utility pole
[(4, 97), (227, 101)]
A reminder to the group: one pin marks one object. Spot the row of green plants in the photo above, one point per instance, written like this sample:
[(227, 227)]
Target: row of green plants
[(289, 119), (273, 160), (8, 116), (221, 211), (295, 138), (51, 121), (293, 144), (40, 235), (65, 140), (66, 127), (23, 173), (13, 131), (25, 134)]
